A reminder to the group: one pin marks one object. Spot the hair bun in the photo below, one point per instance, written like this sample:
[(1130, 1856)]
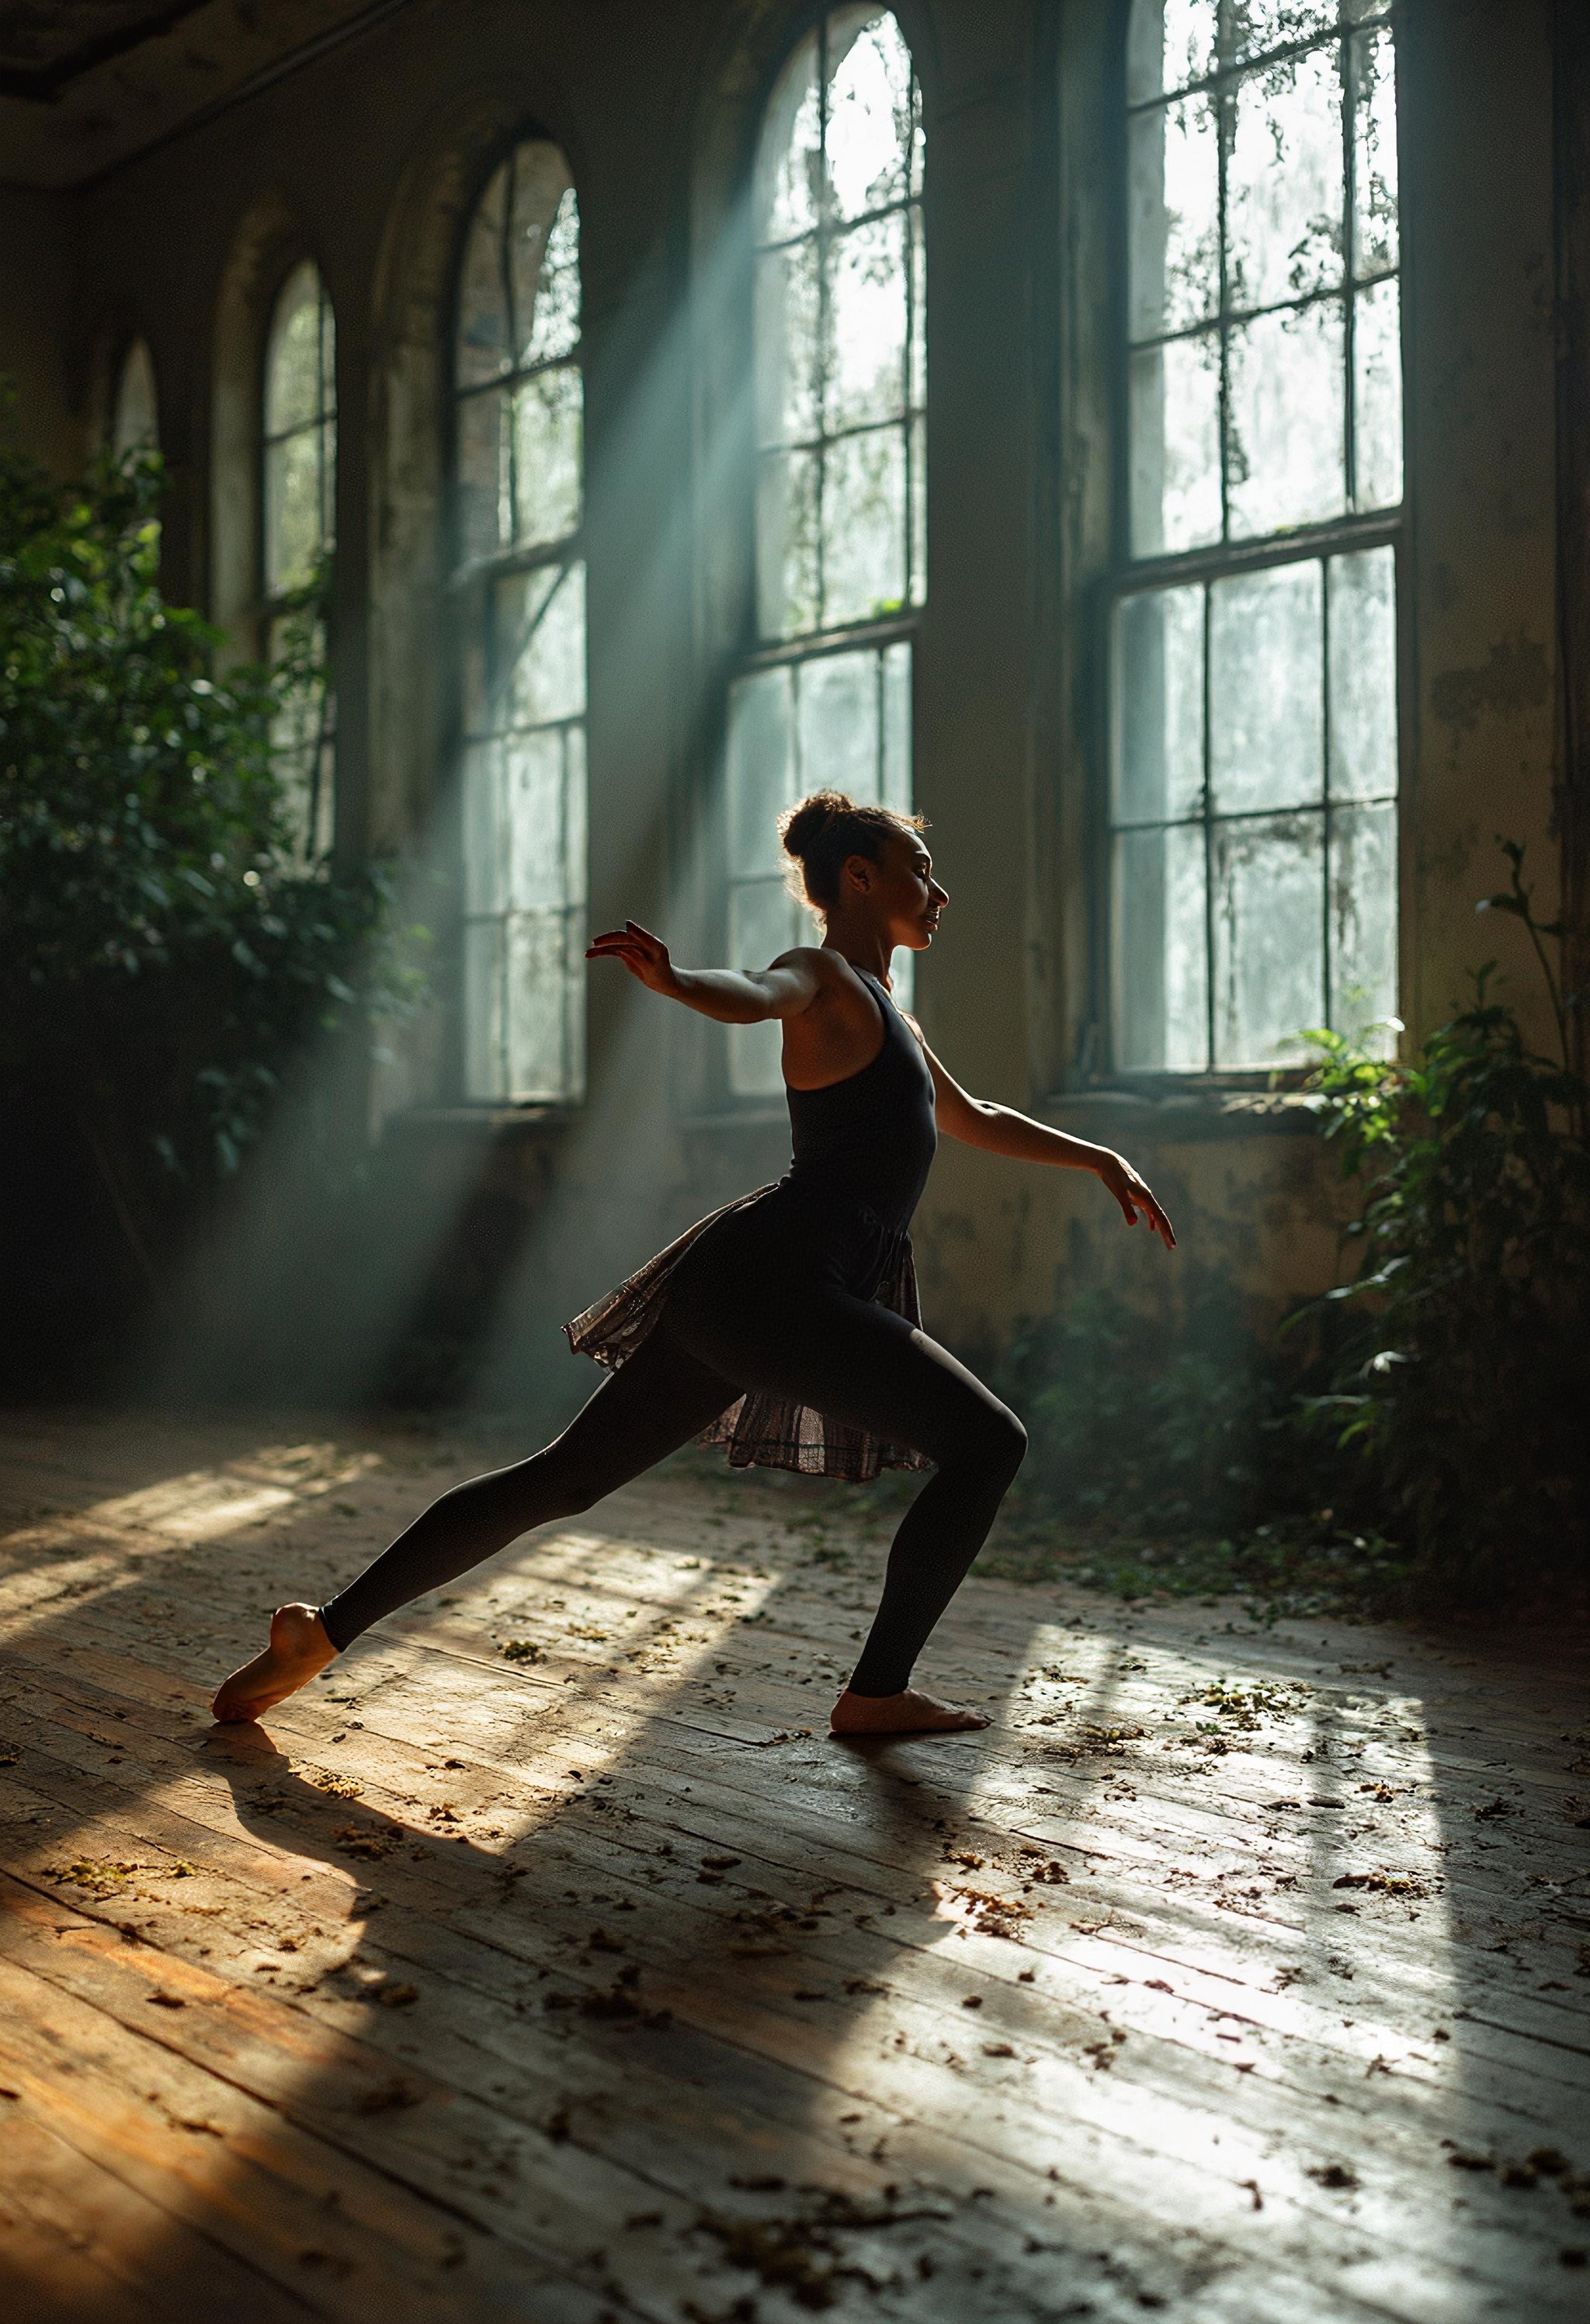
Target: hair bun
[(804, 827)]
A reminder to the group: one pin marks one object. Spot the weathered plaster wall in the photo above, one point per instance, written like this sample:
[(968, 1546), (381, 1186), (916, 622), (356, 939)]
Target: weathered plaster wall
[(368, 159), (36, 336)]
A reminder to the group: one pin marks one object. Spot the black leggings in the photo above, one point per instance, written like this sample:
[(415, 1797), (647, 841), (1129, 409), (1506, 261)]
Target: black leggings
[(847, 1357)]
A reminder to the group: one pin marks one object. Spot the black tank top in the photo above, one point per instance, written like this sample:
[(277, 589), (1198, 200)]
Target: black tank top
[(868, 1142)]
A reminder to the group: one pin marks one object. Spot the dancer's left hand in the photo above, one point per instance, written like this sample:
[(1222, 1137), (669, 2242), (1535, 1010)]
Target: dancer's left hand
[(1135, 1198)]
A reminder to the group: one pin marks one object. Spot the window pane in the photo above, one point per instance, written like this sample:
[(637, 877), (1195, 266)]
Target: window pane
[(918, 510), (1159, 690), (1283, 182), (1157, 904), (917, 383), (1286, 441), (897, 726), (1256, 26), (485, 508), (1169, 42), (541, 643), (789, 157), (484, 948), (837, 724), (1173, 197), (294, 533), (134, 424), (545, 250), (760, 761), (1363, 675), (576, 834), (787, 543), (548, 410), (1266, 689), (294, 379), (1376, 238), (864, 527), (868, 111), (1175, 430), (867, 311), (536, 1005), (764, 921), (483, 334), (1377, 396), (787, 360), (533, 790), (485, 851), (1363, 919), (1269, 950)]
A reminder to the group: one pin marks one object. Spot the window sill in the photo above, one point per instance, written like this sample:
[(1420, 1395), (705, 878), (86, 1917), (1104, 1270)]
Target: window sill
[(1184, 1117), (491, 1119)]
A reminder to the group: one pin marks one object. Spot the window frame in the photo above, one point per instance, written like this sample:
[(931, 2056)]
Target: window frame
[(751, 652), (467, 588), (276, 603), (1129, 576)]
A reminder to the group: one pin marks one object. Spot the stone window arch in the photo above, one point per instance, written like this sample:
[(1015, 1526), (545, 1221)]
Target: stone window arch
[(134, 414)]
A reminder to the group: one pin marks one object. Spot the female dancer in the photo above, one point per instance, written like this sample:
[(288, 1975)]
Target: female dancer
[(785, 1325)]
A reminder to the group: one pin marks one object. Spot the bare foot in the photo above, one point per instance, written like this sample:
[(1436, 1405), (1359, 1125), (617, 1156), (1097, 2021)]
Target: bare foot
[(299, 1647), (908, 1713)]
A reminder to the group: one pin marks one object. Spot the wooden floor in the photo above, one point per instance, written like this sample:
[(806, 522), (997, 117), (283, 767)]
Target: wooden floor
[(545, 1959)]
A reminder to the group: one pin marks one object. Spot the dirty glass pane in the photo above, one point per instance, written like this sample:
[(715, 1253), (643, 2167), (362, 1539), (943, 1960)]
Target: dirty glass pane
[(764, 920), (548, 410), (485, 855), (1363, 919), (1269, 965), (918, 512), (1159, 693), (541, 643), (1286, 438), (788, 368), (134, 423), (485, 511), (760, 767), (294, 529), (1376, 238), (533, 799), (536, 1005), (1363, 649), (917, 381), (868, 111), (864, 527), (1175, 432), (1169, 42), (544, 255), (867, 313), (1284, 195), (483, 336), (1266, 689), (294, 379), (837, 722), (484, 948), (1377, 396), (575, 827), (1159, 944), (897, 726), (787, 543), (1253, 27), (1173, 205), (789, 156)]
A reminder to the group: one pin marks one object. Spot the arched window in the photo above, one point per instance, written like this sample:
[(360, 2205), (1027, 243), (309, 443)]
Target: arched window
[(299, 465), (1253, 776), (134, 423), (824, 693), (519, 420)]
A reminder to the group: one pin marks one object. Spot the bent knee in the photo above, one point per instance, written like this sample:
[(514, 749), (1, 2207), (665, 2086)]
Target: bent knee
[(994, 1440)]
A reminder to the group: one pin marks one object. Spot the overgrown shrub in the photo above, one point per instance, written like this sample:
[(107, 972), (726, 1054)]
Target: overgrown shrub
[(164, 953)]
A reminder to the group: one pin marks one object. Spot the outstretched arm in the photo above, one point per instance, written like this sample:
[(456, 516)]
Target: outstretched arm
[(999, 1130), (732, 996)]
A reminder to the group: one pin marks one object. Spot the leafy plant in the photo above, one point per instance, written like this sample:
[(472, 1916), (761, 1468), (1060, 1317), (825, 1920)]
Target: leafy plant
[(1461, 1388), (165, 951)]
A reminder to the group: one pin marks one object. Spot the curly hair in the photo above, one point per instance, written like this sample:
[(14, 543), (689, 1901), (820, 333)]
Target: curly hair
[(825, 830)]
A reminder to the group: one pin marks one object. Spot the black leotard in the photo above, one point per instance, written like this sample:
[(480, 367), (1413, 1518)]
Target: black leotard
[(771, 1299)]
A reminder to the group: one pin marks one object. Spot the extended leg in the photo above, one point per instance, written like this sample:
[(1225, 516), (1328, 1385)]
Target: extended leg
[(659, 1401)]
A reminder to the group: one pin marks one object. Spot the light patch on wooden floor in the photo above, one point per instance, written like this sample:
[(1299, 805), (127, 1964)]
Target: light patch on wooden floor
[(545, 1959)]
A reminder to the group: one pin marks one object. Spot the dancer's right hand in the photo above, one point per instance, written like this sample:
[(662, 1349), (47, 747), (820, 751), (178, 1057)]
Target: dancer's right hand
[(645, 956)]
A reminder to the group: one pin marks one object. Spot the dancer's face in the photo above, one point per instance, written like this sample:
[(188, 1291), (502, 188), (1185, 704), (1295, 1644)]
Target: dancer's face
[(898, 894)]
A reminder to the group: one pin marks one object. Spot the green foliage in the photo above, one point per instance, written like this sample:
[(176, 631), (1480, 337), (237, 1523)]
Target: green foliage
[(1464, 1372), (165, 953)]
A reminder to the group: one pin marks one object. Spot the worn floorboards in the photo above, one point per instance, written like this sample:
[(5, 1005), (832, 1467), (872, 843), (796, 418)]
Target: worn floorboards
[(545, 1959)]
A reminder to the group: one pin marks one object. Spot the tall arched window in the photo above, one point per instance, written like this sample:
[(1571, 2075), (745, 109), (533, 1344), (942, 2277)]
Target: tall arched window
[(824, 693), (134, 420), (298, 478), (519, 420), (1253, 776)]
